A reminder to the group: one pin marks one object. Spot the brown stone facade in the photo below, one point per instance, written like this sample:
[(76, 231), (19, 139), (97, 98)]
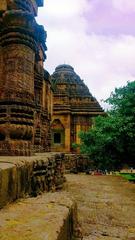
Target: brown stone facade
[(25, 89), (73, 109), (38, 112)]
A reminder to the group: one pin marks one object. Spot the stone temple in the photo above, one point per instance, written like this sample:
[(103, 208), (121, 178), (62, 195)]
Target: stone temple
[(38, 112), (73, 108)]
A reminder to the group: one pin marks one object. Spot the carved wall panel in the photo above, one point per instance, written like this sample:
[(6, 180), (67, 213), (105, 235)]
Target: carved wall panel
[(18, 49)]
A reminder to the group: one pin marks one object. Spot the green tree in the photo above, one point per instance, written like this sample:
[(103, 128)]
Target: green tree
[(111, 142)]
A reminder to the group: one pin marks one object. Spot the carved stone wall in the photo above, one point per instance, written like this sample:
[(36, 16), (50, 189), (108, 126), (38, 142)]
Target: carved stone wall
[(43, 111), (18, 48), (21, 176), (77, 163), (24, 120)]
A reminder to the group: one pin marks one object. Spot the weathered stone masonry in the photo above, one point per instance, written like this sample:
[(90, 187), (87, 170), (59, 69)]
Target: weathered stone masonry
[(73, 108), (38, 112), (21, 176), (24, 85)]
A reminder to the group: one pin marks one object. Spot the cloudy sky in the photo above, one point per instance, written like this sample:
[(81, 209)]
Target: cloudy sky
[(96, 37)]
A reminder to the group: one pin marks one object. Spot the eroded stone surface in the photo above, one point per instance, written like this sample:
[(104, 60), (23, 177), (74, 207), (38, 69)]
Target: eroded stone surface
[(106, 206), (48, 217), (22, 176)]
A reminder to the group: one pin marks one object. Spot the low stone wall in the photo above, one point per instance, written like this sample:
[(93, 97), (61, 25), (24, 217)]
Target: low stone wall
[(22, 176), (52, 216), (77, 162)]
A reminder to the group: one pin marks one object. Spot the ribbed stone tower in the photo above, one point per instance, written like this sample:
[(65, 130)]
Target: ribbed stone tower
[(73, 109), (20, 38)]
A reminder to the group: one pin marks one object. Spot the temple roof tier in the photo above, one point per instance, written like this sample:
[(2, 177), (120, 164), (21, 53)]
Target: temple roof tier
[(66, 82)]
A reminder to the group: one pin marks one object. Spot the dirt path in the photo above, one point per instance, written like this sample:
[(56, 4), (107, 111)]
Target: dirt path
[(106, 206)]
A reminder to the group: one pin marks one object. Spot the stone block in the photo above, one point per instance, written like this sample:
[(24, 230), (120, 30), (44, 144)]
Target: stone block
[(51, 216), (23, 176)]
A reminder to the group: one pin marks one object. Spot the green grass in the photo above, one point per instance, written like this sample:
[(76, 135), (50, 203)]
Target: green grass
[(128, 176)]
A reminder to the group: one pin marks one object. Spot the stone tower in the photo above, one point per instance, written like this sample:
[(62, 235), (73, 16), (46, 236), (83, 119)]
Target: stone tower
[(22, 52), (73, 109)]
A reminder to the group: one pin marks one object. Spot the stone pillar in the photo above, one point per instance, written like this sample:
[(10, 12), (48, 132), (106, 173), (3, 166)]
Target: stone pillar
[(78, 129), (67, 134), (17, 57)]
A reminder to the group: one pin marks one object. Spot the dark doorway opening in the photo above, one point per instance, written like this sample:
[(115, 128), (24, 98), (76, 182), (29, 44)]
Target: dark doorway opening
[(57, 138)]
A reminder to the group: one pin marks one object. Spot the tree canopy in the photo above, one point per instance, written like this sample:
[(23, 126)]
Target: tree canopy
[(110, 143)]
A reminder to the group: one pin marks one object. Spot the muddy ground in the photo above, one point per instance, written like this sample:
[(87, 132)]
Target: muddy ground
[(106, 206)]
